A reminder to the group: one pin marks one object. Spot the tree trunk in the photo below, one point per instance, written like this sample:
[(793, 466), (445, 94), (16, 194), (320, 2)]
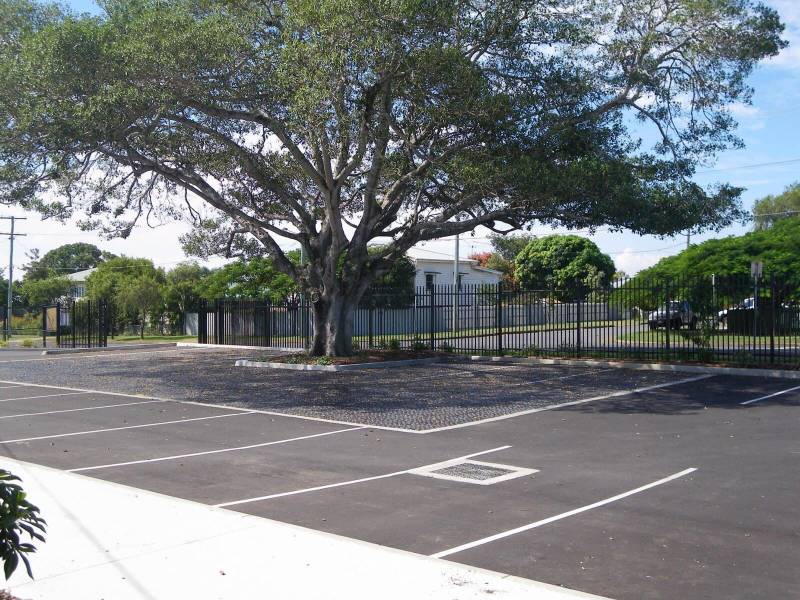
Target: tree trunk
[(333, 325)]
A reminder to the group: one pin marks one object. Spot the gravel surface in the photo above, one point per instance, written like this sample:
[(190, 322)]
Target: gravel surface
[(418, 398)]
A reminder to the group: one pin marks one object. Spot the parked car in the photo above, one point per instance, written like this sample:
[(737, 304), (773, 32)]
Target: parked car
[(679, 314)]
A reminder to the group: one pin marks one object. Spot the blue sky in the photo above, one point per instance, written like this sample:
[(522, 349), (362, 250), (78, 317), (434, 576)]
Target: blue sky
[(770, 129)]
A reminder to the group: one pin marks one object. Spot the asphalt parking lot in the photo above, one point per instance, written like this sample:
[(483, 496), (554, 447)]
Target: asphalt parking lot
[(626, 484)]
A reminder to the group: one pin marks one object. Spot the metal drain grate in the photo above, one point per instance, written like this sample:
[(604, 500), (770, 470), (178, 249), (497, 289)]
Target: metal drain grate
[(467, 470), (472, 471)]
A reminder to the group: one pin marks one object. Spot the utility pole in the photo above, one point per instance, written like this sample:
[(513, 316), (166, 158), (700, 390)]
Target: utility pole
[(456, 288), (688, 238), (9, 298)]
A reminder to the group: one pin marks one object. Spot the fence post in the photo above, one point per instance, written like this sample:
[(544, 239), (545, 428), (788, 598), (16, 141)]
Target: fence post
[(107, 308), (58, 324), (578, 327), (773, 300), (499, 319), (432, 315), (668, 323), (305, 305), (370, 315), (44, 327), (217, 322)]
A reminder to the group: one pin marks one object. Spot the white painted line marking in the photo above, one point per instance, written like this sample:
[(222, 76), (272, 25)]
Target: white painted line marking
[(44, 396), (371, 426), (61, 435), (563, 404), (797, 387), (207, 452), (570, 513), (350, 482), (10, 387), (86, 355), (69, 410), (222, 407)]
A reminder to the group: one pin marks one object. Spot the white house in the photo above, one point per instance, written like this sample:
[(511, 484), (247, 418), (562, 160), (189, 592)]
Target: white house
[(435, 268), (77, 280)]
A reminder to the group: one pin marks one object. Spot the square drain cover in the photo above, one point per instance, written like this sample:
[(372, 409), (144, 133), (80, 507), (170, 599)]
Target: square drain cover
[(472, 471), (467, 470)]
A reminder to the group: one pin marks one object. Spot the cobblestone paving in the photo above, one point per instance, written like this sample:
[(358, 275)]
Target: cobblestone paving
[(418, 398)]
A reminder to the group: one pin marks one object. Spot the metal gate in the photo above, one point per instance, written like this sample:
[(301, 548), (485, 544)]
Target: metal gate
[(76, 324)]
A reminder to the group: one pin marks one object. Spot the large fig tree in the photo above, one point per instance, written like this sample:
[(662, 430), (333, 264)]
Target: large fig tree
[(338, 125)]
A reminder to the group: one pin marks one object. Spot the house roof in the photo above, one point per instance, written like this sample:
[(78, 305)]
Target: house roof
[(80, 276), (416, 254)]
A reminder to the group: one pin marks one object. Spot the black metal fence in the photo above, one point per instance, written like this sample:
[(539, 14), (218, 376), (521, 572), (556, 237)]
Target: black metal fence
[(76, 324), (284, 324), (726, 319)]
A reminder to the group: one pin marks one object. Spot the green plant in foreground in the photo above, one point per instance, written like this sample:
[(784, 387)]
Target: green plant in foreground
[(27, 343), (17, 516)]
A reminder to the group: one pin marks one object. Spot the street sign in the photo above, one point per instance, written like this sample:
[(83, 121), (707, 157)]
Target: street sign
[(756, 269)]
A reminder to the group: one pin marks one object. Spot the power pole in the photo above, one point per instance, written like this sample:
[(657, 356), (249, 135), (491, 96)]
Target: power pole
[(688, 238), (9, 297)]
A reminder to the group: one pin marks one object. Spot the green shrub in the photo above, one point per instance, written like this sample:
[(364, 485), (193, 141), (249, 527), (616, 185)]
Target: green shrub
[(27, 343), (419, 346), (394, 344), (17, 517)]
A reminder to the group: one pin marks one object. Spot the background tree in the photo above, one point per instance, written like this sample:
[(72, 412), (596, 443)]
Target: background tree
[(142, 296), (495, 261), (113, 277), (770, 209), (395, 288), (257, 278), (182, 293), (334, 124), (38, 292), (509, 246), (570, 265), (66, 259)]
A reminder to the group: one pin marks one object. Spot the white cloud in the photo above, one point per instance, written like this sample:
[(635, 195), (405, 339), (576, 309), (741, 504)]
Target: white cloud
[(632, 261)]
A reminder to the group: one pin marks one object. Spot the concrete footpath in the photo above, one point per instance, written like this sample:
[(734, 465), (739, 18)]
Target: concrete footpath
[(107, 541)]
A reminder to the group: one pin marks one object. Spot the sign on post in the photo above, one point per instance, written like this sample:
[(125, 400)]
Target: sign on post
[(756, 269)]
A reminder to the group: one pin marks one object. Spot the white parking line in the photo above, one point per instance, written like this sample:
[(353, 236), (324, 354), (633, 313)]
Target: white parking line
[(85, 355), (61, 435), (570, 513), (572, 403), (797, 387), (69, 410), (43, 396), (207, 452), (350, 482)]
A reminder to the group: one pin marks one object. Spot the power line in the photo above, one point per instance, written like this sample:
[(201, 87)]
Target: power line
[(754, 166)]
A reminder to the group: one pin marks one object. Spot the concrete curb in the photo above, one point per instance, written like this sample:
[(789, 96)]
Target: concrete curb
[(668, 367), (48, 351), (335, 368)]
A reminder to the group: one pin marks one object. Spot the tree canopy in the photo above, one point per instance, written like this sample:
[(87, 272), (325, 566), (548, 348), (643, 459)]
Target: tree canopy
[(335, 123), (569, 265), (66, 259), (777, 247), (770, 209)]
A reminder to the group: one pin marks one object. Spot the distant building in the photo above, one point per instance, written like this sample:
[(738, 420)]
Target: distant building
[(77, 288), (434, 268)]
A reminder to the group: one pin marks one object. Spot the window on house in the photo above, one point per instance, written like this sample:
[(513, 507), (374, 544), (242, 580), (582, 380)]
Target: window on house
[(430, 280)]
